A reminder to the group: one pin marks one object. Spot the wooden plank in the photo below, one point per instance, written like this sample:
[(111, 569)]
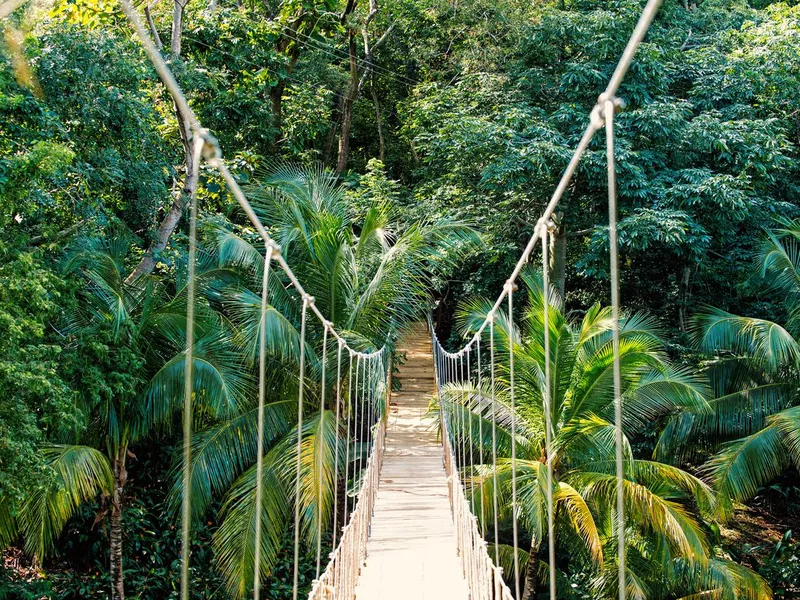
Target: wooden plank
[(412, 552)]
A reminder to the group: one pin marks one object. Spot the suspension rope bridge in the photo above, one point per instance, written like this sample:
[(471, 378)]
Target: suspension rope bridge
[(398, 521)]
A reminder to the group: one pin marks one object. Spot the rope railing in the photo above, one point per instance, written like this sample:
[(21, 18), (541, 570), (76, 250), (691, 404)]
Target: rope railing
[(483, 575), (449, 369), (342, 571), (339, 580)]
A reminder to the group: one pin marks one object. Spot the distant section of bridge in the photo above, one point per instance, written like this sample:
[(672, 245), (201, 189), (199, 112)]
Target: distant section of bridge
[(412, 550)]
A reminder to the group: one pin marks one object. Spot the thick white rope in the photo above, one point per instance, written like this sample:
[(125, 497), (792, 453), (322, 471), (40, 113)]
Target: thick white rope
[(262, 390)]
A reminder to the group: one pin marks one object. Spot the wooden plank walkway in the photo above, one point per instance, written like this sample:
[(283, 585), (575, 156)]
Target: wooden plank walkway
[(412, 552)]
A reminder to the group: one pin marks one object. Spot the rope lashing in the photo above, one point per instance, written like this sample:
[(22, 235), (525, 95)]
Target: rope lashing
[(356, 425), (262, 390)]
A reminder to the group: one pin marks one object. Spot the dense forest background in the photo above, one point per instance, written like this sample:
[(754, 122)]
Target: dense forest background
[(466, 109)]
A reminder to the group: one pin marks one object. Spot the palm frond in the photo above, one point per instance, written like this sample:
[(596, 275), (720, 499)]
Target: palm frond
[(567, 499), (743, 466), (768, 343), (788, 423), (234, 540), (221, 452), (81, 473)]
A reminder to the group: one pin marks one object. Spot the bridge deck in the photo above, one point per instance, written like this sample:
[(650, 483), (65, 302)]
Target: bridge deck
[(412, 550)]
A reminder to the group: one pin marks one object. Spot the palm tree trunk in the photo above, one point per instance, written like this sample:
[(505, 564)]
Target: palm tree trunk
[(529, 590), (115, 532)]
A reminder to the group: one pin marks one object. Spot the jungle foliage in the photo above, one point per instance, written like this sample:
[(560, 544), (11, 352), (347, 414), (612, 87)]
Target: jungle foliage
[(434, 132)]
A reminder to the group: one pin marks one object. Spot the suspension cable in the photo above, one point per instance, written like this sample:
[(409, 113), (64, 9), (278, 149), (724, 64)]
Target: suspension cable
[(600, 116)]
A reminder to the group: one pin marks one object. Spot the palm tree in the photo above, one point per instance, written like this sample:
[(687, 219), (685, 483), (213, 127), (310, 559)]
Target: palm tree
[(754, 366), (369, 276), (131, 339), (668, 553)]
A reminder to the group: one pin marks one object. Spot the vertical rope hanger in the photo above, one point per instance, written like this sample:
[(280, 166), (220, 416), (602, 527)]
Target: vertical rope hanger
[(515, 527), (480, 430), (320, 434), (471, 442), (262, 390), (347, 443), (461, 408), (188, 387), (356, 426), (336, 455), (307, 300), (609, 108), (494, 440), (548, 415)]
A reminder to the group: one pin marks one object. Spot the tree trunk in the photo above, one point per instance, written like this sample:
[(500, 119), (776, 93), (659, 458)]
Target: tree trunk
[(558, 256), (152, 25), (529, 589), (284, 45), (115, 531), (347, 107), (683, 317), (177, 29), (170, 221), (379, 123), (276, 108)]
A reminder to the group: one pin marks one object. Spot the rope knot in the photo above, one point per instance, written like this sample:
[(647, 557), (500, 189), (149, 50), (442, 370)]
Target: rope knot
[(598, 114), (211, 151), (510, 286), (308, 299), (276, 248)]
